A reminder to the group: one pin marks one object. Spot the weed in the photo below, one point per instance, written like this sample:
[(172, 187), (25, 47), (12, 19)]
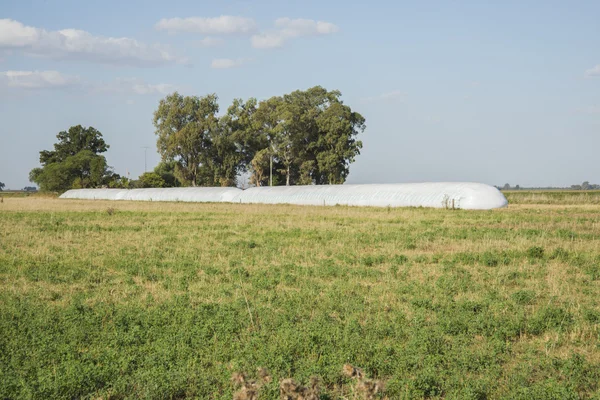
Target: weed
[(549, 317), (364, 388), (535, 252), (523, 297), (289, 389)]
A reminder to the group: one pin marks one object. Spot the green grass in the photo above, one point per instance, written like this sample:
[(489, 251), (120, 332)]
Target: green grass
[(167, 300)]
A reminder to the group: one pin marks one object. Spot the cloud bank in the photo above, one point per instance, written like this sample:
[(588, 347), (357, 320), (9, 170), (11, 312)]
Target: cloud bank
[(223, 25), (38, 79), (225, 63), (287, 28), (75, 44), (43, 80), (594, 71)]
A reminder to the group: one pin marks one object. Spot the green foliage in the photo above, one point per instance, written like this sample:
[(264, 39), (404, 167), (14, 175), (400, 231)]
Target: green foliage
[(535, 252), (549, 317), (151, 180), (74, 163), (121, 182), (310, 134), (2, 186), (166, 170), (309, 137), (185, 127), (523, 297)]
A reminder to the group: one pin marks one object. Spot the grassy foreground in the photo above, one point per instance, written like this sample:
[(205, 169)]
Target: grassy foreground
[(167, 300)]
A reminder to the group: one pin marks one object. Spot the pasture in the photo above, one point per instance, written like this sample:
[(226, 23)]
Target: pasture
[(120, 300)]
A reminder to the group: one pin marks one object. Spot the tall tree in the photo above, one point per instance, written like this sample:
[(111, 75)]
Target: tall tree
[(184, 126), (75, 161), (310, 135), (71, 142), (336, 146), (265, 126), (304, 137), (2, 185)]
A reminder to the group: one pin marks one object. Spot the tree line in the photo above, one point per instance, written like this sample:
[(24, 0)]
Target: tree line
[(300, 138)]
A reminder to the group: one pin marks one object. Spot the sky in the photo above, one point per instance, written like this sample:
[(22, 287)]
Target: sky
[(491, 92)]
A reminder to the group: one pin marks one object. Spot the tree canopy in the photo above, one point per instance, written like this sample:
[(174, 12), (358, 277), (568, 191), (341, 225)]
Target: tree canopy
[(301, 138), (2, 186), (304, 137), (75, 161), (185, 126)]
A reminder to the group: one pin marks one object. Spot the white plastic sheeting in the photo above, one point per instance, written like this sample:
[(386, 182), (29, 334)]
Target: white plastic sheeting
[(188, 194), (474, 196)]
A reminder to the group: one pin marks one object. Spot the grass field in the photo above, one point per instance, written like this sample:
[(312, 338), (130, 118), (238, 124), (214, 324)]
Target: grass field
[(168, 300), (564, 197)]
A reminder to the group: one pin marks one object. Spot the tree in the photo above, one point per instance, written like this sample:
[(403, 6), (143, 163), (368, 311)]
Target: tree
[(2, 186), (311, 134), (184, 126), (236, 142), (304, 137), (166, 170), (336, 145), (121, 182), (75, 161), (151, 180), (259, 168), (30, 189), (506, 186), (585, 185)]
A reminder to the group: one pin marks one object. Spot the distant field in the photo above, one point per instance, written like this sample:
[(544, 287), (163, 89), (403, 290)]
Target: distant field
[(20, 193), (167, 300), (553, 196)]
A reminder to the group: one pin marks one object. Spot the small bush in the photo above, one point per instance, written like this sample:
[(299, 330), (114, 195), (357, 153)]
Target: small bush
[(523, 297), (550, 317), (489, 259), (535, 252), (591, 316)]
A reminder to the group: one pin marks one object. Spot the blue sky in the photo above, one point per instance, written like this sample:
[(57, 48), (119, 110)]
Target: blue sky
[(492, 92)]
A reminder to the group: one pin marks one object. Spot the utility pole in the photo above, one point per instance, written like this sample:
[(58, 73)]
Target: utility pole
[(145, 151), (271, 173)]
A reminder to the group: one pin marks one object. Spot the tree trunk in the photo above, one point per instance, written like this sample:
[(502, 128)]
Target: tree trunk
[(287, 176)]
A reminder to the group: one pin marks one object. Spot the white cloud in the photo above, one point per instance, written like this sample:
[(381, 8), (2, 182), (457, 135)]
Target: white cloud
[(287, 28), (136, 86), (268, 40), (38, 79), (305, 27), (224, 63), (396, 94), (595, 71), (82, 45), (210, 41), (225, 24), (591, 110)]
